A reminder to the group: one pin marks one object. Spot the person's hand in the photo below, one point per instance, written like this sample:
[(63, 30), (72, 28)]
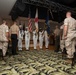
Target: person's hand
[(9, 39), (65, 37)]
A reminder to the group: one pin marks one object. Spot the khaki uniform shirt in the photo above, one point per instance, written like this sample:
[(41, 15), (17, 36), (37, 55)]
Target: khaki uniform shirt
[(57, 32), (14, 29)]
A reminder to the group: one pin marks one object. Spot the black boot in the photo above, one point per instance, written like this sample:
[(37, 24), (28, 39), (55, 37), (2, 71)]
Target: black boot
[(1, 54)]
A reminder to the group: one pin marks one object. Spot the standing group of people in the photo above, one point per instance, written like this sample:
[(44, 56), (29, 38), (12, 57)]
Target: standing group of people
[(42, 35), (65, 37), (68, 37), (16, 33)]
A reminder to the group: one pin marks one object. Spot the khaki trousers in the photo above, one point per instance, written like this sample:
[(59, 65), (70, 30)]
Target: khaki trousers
[(4, 46)]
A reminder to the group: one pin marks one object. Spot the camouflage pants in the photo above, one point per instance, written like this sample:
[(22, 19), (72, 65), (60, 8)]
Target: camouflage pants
[(62, 44), (70, 47), (3, 46)]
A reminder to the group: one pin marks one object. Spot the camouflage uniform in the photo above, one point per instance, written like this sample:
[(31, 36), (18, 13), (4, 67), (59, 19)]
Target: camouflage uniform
[(62, 42), (70, 38), (4, 44)]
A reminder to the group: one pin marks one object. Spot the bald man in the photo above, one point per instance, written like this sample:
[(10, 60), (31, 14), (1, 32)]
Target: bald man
[(69, 35)]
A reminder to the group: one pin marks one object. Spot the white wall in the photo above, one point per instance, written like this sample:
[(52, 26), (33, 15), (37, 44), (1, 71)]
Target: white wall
[(6, 6), (24, 21)]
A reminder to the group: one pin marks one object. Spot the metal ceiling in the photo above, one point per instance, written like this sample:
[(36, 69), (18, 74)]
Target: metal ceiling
[(57, 8)]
